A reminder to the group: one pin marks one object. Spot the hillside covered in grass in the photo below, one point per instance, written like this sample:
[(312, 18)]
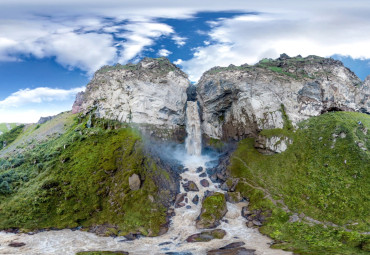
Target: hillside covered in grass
[(323, 176), (79, 177)]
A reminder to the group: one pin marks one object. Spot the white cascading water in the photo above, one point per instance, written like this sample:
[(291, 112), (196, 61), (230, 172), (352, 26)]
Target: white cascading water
[(183, 224), (193, 141)]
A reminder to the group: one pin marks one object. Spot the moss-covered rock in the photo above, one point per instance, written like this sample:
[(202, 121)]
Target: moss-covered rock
[(207, 236), (213, 210)]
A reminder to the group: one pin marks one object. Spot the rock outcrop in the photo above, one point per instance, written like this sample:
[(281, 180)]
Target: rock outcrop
[(42, 120), (151, 94), (235, 101), (239, 101), (77, 105)]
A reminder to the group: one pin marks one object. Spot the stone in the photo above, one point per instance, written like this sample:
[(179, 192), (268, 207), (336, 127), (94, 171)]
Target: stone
[(179, 199), (199, 169), (213, 210), (134, 182), (257, 223), (232, 251), (190, 186), (207, 236), (203, 175), (232, 245), (76, 107), (195, 200), (250, 224), (204, 183), (16, 244), (245, 212)]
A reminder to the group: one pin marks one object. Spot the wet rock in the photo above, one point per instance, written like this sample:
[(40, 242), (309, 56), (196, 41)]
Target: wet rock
[(213, 178), (208, 193), (246, 212), (207, 236), (190, 186), (179, 253), (188, 207), (180, 205), (233, 251), (16, 244), (230, 185), (134, 182), (203, 175), (213, 210), (199, 169), (204, 183), (257, 223), (233, 245), (104, 252), (131, 236), (234, 197), (164, 243), (195, 200), (179, 199), (249, 224)]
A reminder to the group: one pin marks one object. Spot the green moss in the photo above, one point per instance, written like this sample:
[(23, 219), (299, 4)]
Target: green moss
[(81, 179), (213, 209), (323, 174), (216, 144)]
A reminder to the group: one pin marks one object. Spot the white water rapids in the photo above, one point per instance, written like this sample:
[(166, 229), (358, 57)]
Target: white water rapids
[(67, 242)]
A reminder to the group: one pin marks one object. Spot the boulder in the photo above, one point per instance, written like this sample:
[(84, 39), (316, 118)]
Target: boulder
[(207, 236), (190, 186), (213, 210), (204, 183), (134, 182)]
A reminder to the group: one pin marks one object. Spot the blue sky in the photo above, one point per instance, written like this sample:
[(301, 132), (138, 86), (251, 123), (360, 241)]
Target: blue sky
[(48, 52)]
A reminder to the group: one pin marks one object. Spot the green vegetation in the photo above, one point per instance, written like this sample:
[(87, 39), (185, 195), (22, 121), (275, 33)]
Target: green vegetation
[(4, 127), (324, 174), (80, 178), (9, 137)]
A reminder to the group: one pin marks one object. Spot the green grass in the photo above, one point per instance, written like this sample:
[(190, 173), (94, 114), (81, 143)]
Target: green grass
[(323, 175), (10, 136), (80, 178), (4, 127)]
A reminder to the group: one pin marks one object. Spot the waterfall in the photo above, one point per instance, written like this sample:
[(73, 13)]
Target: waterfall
[(193, 141)]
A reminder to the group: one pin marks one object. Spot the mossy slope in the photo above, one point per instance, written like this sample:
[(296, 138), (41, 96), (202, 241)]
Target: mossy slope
[(81, 179), (323, 174)]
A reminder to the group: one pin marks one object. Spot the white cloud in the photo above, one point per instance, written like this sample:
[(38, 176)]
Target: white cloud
[(139, 35), (28, 105), (38, 96), (164, 53), (180, 41), (247, 39), (178, 62)]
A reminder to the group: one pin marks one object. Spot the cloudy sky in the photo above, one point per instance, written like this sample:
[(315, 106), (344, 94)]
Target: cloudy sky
[(50, 49)]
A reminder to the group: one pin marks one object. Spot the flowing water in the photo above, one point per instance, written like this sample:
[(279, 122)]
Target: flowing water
[(182, 225)]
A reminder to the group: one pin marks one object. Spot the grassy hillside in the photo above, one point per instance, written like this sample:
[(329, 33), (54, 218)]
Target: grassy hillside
[(79, 177), (4, 127), (324, 175)]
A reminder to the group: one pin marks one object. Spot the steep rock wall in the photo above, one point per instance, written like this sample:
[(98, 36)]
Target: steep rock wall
[(239, 101), (151, 94)]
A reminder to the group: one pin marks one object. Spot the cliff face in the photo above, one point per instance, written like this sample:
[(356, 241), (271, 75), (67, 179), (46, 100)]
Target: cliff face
[(151, 93), (240, 101), (235, 101)]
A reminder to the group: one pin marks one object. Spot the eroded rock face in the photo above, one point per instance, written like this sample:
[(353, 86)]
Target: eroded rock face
[(77, 105), (240, 101), (273, 144), (151, 93)]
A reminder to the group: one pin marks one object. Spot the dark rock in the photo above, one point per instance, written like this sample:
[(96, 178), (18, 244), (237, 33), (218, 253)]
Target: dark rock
[(232, 245), (199, 169), (195, 200), (257, 223), (207, 236), (213, 177), (204, 183), (249, 224), (233, 251), (221, 176), (208, 193), (180, 205), (190, 186), (245, 212), (164, 243), (188, 207), (203, 175), (179, 253), (131, 236), (191, 92), (16, 244), (104, 252), (180, 198)]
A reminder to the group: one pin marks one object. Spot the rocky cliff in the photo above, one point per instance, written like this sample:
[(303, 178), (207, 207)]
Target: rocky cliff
[(151, 93), (239, 101), (235, 101)]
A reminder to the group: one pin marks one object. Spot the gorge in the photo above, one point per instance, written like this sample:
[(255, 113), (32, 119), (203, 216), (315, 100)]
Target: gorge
[(281, 148)]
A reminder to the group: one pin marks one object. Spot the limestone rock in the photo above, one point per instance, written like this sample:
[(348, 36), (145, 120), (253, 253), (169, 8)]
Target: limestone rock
[(77, 105), (134, 182), (151, 94), (273, 144), (240, 101)]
